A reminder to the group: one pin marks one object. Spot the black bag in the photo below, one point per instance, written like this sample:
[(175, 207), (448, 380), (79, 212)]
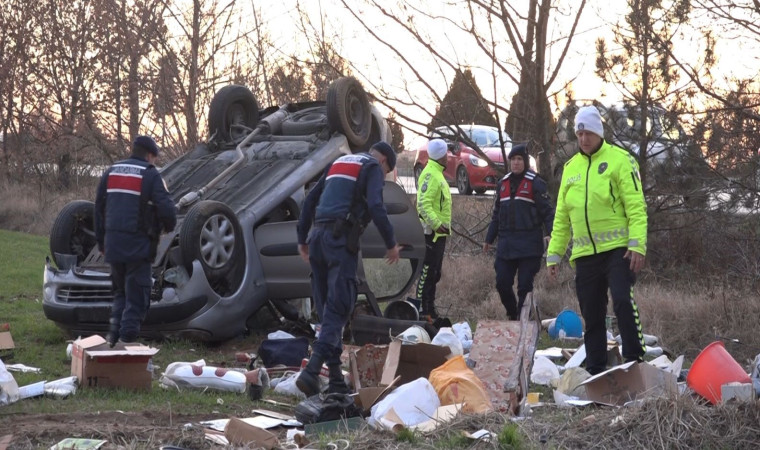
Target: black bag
[(288, 352), (326, 407)]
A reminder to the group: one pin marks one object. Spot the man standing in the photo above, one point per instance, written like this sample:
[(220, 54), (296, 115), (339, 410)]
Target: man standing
[(132, 207), (601, 204), (337, 210), (521, 213), (434, 208)]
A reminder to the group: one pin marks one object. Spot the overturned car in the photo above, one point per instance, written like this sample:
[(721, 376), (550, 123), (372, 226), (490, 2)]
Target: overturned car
[(238, 198)]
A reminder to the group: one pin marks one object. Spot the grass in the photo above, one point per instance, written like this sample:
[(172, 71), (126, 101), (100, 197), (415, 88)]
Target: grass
[(21, 260)]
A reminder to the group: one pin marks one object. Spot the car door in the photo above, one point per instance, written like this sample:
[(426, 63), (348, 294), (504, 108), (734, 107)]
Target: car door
[(287, 276)]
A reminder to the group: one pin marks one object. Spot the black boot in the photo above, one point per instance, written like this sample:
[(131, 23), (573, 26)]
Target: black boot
[(113, 332), (337, 382), (308, 381)]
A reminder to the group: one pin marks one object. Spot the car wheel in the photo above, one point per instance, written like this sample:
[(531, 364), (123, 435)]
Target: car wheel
[(463, 181), (73, 232), (480, 191), (417, 173), (233, 113), (211, 234), (348, 110), (308, 121)]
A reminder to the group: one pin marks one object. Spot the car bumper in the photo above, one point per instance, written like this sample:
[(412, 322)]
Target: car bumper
[(483, 177)]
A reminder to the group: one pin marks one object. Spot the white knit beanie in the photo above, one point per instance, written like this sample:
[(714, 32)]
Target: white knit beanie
[(437, 149), (588, 119)]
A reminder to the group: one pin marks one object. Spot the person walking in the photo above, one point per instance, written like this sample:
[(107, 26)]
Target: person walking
[(434, 209), (334, 215), (522, 216), (601, 206), (132, 208)]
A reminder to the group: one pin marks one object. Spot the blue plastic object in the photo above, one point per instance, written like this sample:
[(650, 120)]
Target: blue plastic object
[(569, 322)]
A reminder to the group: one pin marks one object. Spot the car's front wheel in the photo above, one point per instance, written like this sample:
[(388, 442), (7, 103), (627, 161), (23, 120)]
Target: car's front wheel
[(348, 110), (480, 191), (211, 234), (73, 231), (463, 181)]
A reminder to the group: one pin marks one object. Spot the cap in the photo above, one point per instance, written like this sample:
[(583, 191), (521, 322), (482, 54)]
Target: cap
[(519, 150), (588, 119), (437, 149), (387, 151), (147, 143)]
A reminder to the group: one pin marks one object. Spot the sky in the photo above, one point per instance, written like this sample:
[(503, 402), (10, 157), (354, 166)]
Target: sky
[(380, 67)]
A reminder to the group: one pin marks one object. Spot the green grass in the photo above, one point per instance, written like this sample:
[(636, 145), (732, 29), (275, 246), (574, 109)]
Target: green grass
[(21, 262)]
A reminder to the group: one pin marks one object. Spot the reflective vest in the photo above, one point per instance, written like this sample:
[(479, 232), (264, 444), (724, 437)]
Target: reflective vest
[(600, 205), (433, 199)]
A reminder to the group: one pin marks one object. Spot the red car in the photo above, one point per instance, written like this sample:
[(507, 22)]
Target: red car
[(465, 169)]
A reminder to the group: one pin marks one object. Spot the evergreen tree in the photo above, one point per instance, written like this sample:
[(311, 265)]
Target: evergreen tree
[(462, 104)]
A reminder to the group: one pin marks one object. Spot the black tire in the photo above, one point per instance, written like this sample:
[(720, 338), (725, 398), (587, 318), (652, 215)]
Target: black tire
[(480, 191), (231, 106), (73, 231), (308, 121), (463, 181), (211, 234), (348, 110), (417, 173)]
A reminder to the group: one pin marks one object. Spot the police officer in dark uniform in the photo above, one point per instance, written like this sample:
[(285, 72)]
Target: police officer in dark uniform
[(337, 210), (522, 216), (132, 207)]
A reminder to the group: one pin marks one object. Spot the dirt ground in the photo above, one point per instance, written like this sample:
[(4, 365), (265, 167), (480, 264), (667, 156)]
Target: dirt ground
[(120, 429)]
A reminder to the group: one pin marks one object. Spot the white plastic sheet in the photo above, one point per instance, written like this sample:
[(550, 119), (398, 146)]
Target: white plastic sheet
[(464, 333), (413, 402), (8, 386), (198, 375)]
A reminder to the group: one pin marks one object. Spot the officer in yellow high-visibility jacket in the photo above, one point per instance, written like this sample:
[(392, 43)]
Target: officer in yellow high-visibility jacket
[(601, 205), (434, 208)]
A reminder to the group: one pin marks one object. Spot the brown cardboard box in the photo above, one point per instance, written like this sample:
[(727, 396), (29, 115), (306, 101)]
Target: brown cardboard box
[(630, 381), (366, 365), (95, 364), (238, 432), (412, 361), (6, 341)]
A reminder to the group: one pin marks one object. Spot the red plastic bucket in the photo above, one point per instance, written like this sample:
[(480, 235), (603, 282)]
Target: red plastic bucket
[(713, 368)]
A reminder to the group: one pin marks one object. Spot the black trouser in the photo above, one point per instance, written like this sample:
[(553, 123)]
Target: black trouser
[(526, 270), (594, 275), (431, 270)]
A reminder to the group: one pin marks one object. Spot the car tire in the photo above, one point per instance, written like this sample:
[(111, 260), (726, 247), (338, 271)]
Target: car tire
[(417, 173), (348, 111), (211, 234), (304, 122), (233, 110), (73, 231), (480, 191), (463, 181)]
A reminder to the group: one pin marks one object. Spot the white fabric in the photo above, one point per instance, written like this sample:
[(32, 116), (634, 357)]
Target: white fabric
[(437, 149), (588, 119)]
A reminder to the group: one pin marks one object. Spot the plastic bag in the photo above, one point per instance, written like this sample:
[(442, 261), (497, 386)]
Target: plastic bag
[(61, 388), (413, 402), (287, 385), (544, 371), (326, 407), (8, 386), (464, 333), (446, 337), (454, 383)]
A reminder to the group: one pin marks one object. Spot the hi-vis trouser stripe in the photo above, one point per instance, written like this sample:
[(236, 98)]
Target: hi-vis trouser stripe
[(637, 321), (423, 277), (604, 236)]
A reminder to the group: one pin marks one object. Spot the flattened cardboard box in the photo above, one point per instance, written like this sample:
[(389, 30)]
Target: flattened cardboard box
[(95, 364), (629, 381)]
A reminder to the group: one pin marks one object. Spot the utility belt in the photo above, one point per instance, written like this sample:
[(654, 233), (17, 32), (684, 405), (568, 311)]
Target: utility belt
[(349, 228)]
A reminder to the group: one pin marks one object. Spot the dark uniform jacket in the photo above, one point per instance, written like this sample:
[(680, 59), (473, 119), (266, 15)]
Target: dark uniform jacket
[(132, 207), (522, 213), (351, 184)]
